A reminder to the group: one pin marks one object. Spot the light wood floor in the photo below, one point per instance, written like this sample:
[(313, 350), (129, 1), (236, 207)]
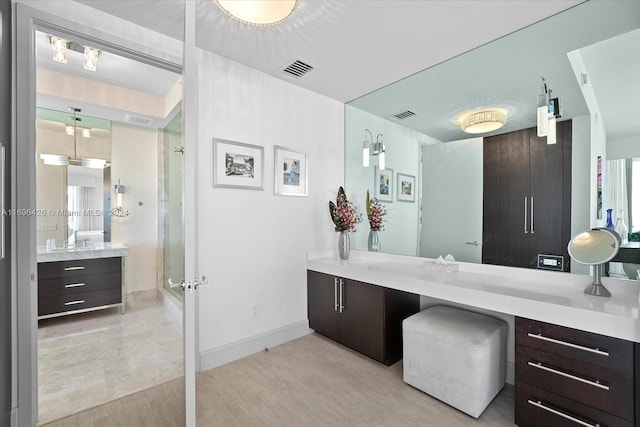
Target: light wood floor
[(311, 381)]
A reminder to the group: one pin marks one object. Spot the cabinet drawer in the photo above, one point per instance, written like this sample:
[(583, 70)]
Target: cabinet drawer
[(600, 350), (64, 303), (78, 284), (52, 270), (535, 407), (604, 389)]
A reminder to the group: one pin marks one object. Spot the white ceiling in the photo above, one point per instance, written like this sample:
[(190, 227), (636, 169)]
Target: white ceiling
[(355, 46)]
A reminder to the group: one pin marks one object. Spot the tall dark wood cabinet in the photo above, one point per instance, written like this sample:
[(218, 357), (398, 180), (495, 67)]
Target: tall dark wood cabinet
[(364, 317), (527, 197)]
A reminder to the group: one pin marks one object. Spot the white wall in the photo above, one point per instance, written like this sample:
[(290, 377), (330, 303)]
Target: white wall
[(134, 159), (400, 234), (623, 148), (582, 190), (253, 244)]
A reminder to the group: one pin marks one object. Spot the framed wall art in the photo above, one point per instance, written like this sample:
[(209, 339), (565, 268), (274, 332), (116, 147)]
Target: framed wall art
[(406, 188), (237, 165), (289, 172), (383, 184)]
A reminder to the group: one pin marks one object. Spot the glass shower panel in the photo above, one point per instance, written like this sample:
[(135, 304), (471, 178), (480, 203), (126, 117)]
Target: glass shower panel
[(172, 205)]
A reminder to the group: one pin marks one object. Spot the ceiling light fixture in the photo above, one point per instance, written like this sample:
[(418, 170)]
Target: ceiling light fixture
[(59, 46), (370, 148), (90, 60), (258, 12), (483, 121)]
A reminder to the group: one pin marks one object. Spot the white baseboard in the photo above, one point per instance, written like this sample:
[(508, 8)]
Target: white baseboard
[(223, 354)]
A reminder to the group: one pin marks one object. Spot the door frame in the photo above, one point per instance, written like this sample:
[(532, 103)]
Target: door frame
[(27, 20)]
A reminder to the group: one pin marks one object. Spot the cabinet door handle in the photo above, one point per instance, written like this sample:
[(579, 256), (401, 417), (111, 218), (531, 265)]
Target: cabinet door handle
[(532, 215), (539, 365), (335, 294), (539, 404), (568, 344), (341, 295), (80, 301), (74, 285), (525, 216), (73, 268), (3, 171)]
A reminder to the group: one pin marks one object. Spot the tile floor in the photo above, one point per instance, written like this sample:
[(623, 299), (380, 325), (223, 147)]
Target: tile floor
[(88, 359)]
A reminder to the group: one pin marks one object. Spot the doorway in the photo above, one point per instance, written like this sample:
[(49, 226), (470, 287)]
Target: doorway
[(89, 357)]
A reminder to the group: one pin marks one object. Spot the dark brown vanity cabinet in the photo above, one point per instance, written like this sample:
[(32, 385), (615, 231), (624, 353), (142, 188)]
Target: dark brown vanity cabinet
[(527, 197), (66, 287), (568, 377), (364, 317)]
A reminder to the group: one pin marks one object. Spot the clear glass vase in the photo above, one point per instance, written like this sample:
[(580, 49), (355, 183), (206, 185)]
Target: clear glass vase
[(344, 245), (373, 243)]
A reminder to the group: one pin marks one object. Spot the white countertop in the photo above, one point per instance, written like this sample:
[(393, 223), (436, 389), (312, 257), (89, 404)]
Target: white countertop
[(102, 250), (547, 296)]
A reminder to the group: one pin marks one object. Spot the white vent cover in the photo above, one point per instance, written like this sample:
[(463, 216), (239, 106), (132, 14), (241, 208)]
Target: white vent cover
[(138, 120), (297, 69), (404, 115)]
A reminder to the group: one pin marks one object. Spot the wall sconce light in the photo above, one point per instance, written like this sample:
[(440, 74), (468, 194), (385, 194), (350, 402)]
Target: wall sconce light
[(548, 112), (118, 189), (90, 60), (371, 148)]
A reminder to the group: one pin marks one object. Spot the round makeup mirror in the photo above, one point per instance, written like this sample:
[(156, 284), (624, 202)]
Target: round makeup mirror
[(595, 247)]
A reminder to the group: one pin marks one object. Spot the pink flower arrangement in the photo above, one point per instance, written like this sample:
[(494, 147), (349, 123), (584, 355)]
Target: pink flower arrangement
[(344, 214), (375, 212)]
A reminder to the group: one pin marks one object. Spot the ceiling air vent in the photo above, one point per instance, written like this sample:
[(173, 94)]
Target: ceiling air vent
[(404, 115), (138, 120), (297, 69)]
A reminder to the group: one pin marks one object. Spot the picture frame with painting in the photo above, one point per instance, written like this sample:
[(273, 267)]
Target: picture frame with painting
[(406, 188), (383, 184), (289, 172), (237, 165)]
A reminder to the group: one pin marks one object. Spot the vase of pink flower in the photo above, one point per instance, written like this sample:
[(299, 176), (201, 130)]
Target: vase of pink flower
[(345, 217), (375, 213)]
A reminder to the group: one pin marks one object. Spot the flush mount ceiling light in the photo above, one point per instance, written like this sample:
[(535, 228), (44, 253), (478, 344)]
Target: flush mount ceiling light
[(482, 121), (258, 12)]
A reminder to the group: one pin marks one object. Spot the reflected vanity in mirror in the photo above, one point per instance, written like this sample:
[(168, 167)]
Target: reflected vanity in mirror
[(589, 65)]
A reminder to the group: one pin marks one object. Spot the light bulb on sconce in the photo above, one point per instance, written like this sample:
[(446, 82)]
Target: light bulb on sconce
[(371, 148)]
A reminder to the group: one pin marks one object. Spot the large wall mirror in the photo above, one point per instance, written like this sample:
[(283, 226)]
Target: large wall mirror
[(589, 57)]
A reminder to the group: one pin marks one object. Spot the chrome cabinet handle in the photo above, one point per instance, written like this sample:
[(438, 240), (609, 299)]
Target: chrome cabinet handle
[(80, 301), (341, 295), (73, 268), (74, 285), (532, 215), (568, 344), (539, 404), (525, 216), (335, 294), (539, 365)]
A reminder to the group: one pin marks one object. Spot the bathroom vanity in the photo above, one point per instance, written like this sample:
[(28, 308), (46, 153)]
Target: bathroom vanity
[(577, 356), (77, 280)]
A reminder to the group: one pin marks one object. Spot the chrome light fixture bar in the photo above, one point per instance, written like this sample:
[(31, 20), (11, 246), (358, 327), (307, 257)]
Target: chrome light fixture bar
[(371, 148)]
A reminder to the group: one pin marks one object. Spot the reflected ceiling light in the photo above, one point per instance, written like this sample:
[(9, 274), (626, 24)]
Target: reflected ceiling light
[(90, 60), (370, 148), (258, 12), (483, 121), (61, 160), (59, 46)]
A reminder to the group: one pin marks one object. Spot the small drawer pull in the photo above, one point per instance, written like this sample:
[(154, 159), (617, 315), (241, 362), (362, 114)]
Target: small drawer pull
[(74, 285), (539, 365), (539, 404), (568, 344), (80, 301), (73, 268)]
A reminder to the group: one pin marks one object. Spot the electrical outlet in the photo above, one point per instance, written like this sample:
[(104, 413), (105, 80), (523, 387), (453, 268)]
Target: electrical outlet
[(47, 227), (256, 311)]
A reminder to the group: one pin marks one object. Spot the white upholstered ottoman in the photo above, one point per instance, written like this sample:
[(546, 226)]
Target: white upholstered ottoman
[(456, 356)]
